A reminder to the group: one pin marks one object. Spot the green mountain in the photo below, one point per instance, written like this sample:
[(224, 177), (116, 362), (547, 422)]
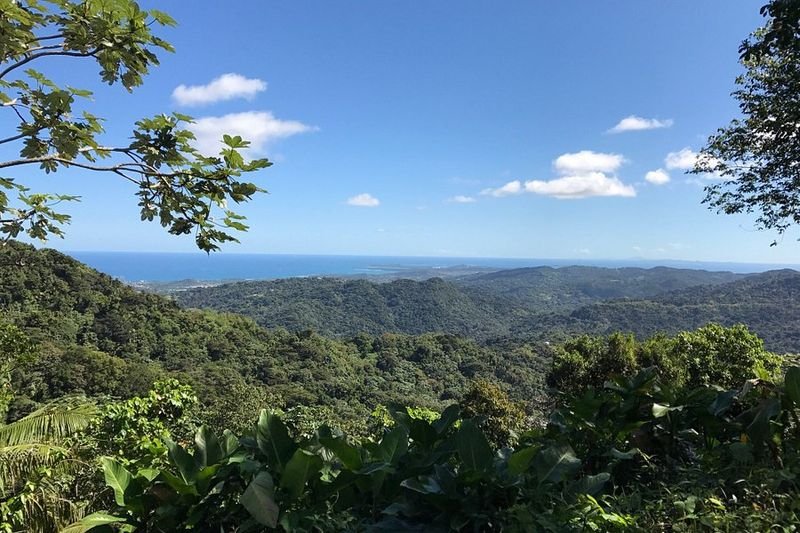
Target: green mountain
[(101, 337), (543, 304), (768, 303)]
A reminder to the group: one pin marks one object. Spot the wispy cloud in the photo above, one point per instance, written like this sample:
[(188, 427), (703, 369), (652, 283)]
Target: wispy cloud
[(226, 87), (364, 199), (509, 189), (258, 127), (635, 123), (657, 177), (581, 175), (461, 199), (681, 160)]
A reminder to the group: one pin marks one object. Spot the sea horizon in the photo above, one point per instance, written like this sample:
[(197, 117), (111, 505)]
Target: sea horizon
[(176, 266)]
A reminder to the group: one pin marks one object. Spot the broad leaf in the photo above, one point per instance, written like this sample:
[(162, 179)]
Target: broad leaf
[(207, 449), (394, 445), (556, 463), (792, 384), (183, 461), (259, 500), (273, 440), (91, 521), (473, 447), (298, 470), (117, 477)]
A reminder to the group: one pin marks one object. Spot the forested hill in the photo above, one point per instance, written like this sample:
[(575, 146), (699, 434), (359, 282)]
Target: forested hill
[(98, 336), (554, 289), (533, 303), (768, 303)]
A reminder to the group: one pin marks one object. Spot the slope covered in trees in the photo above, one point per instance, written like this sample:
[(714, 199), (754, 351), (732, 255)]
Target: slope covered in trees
[(545, 304), (98, 336)]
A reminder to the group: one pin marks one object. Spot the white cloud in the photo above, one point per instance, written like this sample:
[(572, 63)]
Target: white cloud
[(226, 87), (587, 161), (461, 199), (681, 160), (657, 177), (582, 174), (581, 186), (634, 123), (509, 189), (258, 127), (363, 200)]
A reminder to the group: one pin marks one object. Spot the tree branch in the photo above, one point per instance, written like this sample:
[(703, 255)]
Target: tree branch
[(31, 57)]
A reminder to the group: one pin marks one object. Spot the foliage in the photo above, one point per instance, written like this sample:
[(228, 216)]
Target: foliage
[(502, 418), (16, 350), (757, 155), (632, 456), (709, 355), (176, 185)]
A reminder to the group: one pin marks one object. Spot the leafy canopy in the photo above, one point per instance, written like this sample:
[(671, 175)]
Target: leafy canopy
[(184, 190), (757, 156)]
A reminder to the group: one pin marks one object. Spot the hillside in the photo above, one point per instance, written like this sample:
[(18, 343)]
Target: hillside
[(768, 303), (99, 336), (545, 304), (558, 289), (346, 307)]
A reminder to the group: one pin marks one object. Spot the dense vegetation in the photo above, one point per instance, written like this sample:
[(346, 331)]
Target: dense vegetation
[(99, 337), (543, 304), (484, 446)]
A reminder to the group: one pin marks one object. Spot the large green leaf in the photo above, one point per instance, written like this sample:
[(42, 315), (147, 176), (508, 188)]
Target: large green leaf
[(259, 500), (556, 463), (447, 418), (117, 477), (87, 523), (347, 454), (183, 461), (207, 449), (521, 459), (473, 447), (792, 384), (274, 440), (298, 470), (394, 445)]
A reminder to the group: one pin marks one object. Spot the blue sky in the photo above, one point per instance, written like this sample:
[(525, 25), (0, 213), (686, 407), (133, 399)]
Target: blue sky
[(473, 125)]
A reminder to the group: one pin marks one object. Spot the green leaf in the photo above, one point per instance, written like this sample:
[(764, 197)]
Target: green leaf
[(259, 500), (274, 441), (792, 384), (521, 459), (183, 461), (298, 470), (448, 417), (117, 477), (556, 463), (91, 521), (473, 447), (347, 454), (207, 449), (394, 445)]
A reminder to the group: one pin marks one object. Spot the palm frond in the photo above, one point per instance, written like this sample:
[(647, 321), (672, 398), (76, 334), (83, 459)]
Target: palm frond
[(49, 423), (19, 461)]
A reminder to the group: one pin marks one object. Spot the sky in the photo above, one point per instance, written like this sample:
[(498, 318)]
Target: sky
[(449, 128)]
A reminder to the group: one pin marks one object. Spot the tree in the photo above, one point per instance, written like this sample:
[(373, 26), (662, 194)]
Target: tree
[(186, 191), (758, 155)]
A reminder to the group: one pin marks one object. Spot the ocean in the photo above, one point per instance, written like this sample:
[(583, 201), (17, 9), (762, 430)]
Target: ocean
[(157, 266)]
